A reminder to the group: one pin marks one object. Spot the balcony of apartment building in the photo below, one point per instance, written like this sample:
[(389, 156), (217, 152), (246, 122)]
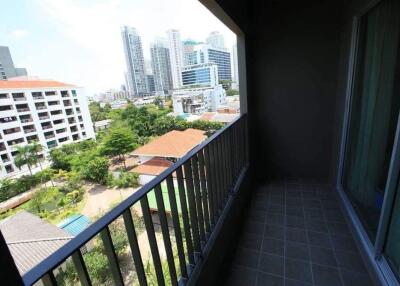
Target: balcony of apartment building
[(12, 133), (5, 158), (37, 95), (32, 138), (20, 96), (25, 119), (9, 169), (67, 102), (15, 142), (2, 147), (21, 108), (76, 102), (50, 93), (53, 105), (29, 129), (4, 98), (56, 114), (9, 122), (46, 125), (75, 137), (80, 119), (40, 106), (71, 120), (301, 189), (7, 110), (69, 111), (63, 139), (78, 110), (49, 134), (73, 128), (61, 130), (43, 115), (65, 93)]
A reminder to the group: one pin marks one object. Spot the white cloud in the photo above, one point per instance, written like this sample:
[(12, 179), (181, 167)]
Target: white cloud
[(18, 34)]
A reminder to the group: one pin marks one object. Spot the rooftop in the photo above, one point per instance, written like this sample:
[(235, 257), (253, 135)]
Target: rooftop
[(22, 84), (31, 239), (173, 144), (75, 224), (154, 166)]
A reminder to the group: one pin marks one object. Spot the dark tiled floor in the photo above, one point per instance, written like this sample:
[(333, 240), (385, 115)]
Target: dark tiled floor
[(295, 234)]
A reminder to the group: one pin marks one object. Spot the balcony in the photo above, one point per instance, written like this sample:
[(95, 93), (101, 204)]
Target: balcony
[(29, 130), (207, 179), (41, 107), (38, 97), (23, 109), (49, 136), (44, 127)]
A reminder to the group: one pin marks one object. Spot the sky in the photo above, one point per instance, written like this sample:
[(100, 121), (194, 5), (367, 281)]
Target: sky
[(79, 41)]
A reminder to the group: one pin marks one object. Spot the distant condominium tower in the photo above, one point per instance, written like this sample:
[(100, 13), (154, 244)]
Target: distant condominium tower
[(7, 68), (200, 75), (161, 65), (176, 56), (204, 54), (235, 77), (136, 77), (189, 56), (216, 40)]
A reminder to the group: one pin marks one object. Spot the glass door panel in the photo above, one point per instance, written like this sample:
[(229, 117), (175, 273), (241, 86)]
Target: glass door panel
[(374, 110)]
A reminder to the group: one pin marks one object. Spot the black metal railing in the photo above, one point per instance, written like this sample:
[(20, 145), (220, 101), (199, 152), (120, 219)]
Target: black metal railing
[(191, 198)]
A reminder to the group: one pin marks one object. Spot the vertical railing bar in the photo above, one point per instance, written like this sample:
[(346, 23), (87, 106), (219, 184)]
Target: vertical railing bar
[(210, 184), (148, 222), (177, 227), (243, 136), (185, 216), (204, 191), (192, 206), (230, 158), (81, 269), (216, 176), (220, 172), (165, 233), (226, 165), (237, 152), (134, 245), (111, 256), (49, 279), (198, 199)]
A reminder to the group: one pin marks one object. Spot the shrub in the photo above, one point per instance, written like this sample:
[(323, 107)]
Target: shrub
[(126, 180), (95, 170)]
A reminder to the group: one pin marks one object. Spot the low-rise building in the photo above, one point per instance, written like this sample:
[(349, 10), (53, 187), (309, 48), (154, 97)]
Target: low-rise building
[(198, 100), (49, 112)]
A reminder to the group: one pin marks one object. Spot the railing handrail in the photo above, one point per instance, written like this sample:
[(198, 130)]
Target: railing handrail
[(60, 255)]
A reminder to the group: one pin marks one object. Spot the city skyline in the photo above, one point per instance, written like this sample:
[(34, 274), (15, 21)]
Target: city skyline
[(90, 53)]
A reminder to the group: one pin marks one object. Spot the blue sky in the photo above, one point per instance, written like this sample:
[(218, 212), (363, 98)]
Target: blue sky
[(79, 41)]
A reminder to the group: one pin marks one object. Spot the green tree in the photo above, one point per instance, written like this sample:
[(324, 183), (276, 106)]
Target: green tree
[(25, 156), (118, 142), (232, 92), (97, 113), (159, 102), (95, 170), (42, 197)]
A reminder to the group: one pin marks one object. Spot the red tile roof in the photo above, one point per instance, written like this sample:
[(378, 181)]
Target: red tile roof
[(154, 166), (173, 144), (7, 84)]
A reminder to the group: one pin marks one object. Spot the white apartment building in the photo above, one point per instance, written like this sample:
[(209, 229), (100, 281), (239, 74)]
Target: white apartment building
[(176, 56), (200, 75), (216, 40), (50, 112), (198, 100)]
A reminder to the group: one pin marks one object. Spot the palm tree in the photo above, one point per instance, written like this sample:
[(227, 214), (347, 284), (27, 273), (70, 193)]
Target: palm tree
[(25, 157), (36, 148)]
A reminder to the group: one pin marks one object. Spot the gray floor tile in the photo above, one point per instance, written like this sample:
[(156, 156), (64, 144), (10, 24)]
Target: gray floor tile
[(290, 282), (266, 279), (319, 239), (254, 228), (273, 246), (294, 211), (274, 231), (296, 250), (344, 243), (256, 216), (316, 225), (296, 222), (298, 270), (296, 235), (326, 276), (272, 264), (350, 261), (251, 241), (274, 219), (323, 256), (355, 278)]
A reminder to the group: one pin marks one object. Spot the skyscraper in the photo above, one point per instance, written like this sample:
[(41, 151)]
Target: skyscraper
[(235, 78), (134, 61), (216, 40), (176, 56), (161, 65), (7, 68)]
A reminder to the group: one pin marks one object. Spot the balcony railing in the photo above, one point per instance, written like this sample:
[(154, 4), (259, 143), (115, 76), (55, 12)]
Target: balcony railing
[(19, 99), (29, 130), (41, 107), (206, 180), (23, 109), (38, 97), (49, 136), (46, 127)]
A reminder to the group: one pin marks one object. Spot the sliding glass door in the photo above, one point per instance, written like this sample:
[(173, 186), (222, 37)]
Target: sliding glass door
[(375, 104)]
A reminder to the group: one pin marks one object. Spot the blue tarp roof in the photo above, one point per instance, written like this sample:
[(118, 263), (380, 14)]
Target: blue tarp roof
[(75, 224)]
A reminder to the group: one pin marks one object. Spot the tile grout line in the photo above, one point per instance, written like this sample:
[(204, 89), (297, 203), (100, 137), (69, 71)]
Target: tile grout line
[(308, 240), (334, 251), (262, 243), (284, 236)]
